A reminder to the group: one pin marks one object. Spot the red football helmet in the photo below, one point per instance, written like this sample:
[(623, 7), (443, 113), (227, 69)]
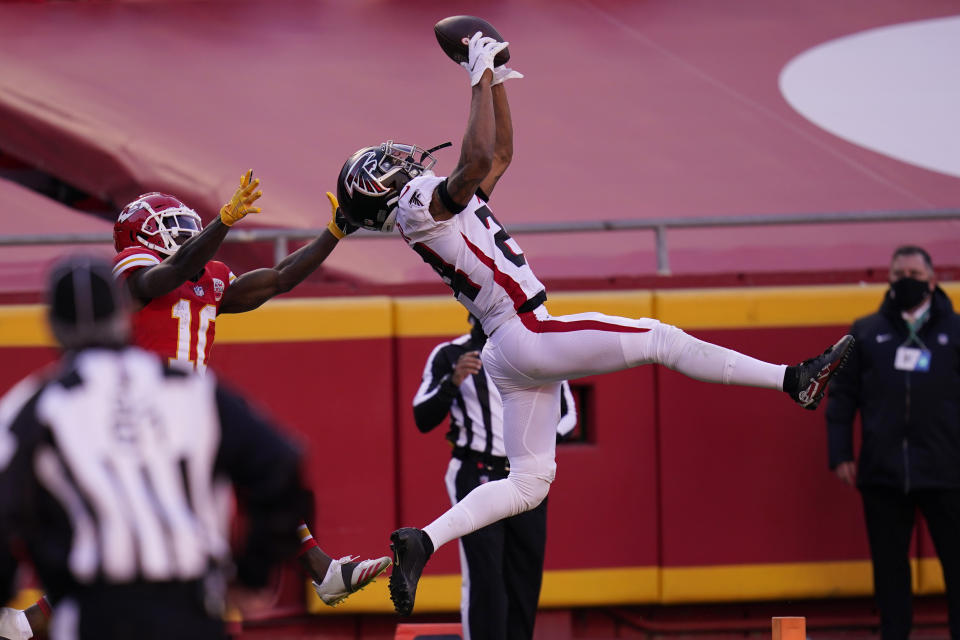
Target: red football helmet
[(157, 221)]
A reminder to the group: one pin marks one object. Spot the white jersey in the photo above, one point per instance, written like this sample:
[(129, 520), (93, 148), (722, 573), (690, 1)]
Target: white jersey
[(473, 254)]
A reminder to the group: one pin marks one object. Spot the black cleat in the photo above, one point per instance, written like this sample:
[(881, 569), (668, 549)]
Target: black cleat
[(814, 375), (409, 558)]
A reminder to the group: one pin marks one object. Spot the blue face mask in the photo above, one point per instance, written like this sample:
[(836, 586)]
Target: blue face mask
[(907, 293)]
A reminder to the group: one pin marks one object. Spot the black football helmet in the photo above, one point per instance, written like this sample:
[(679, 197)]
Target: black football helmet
[(371, 180)]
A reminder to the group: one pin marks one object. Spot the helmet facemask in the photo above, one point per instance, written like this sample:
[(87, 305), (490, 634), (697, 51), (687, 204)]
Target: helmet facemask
[(404, 157), (164, 231)]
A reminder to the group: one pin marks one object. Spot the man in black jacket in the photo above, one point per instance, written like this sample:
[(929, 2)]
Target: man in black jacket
[(904, 376)]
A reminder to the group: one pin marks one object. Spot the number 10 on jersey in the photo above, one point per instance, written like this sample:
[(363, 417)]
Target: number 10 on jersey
[(186, 338)]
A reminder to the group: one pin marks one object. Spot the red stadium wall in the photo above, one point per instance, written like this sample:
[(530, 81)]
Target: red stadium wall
[(683, 491)]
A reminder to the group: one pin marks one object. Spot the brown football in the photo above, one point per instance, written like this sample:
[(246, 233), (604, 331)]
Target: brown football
[(454, 35)]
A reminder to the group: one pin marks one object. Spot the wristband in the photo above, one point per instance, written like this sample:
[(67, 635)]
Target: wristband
[(335, 230), (447, 201)]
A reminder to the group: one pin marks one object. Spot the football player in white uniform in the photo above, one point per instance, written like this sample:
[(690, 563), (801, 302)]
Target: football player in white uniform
[(529, 352)]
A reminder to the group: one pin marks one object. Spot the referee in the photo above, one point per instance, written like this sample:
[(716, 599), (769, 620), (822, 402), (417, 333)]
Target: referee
[(501, 564), (115, 474)]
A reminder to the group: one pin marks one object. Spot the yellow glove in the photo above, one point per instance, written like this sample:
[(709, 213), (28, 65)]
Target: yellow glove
[(338, 226), (242, 201)]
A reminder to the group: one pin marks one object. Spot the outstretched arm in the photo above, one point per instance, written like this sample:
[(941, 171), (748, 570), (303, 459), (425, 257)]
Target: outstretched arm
[(252, 289), (153, 282), (476, 152), (503, 143)]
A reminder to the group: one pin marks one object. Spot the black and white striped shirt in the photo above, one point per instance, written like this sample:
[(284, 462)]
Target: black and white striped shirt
[(116, 470), (475, 408)]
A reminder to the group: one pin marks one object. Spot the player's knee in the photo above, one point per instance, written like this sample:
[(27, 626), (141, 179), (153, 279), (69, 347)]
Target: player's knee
[(661, 344), (676, 346), (532, 488)]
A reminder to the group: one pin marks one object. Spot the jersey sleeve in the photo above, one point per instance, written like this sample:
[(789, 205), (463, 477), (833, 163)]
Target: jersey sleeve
[(131, 259), (17, 417), (413, 209), (568, 411), (222, 278), (433, 399), (10, 406), (219, 270)]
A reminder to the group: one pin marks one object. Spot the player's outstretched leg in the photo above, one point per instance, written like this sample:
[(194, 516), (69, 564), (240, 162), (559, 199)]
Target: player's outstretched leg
[(346, 576), (807, 381), (411, 550)]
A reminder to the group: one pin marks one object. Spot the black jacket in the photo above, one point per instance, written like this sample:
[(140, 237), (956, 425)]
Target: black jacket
[(114, 446), (911, 420)]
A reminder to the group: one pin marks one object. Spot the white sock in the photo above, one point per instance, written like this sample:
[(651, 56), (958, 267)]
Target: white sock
[(712, 363), (484, 505)]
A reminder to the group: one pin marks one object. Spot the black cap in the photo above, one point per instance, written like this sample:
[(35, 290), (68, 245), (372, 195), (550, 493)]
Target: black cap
[(87, 306)]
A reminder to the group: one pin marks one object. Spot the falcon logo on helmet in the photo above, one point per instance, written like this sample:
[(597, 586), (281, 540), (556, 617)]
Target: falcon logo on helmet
[(156, 221), (361, 176), (370, 182)]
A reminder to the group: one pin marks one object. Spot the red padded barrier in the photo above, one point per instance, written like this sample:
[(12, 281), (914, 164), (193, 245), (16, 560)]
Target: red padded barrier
[(744, 471)]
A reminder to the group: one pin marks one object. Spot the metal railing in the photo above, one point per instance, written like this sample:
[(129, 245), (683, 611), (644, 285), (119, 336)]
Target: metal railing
[(659, 226)]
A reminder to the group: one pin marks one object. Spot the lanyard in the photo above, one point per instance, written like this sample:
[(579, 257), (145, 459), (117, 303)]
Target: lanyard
[(914, 327)]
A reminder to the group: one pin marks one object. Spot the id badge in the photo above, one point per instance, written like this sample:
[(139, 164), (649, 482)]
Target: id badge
[(912, 359)]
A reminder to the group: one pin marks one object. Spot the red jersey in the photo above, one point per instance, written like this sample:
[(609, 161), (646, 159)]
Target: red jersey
[(180, 325)]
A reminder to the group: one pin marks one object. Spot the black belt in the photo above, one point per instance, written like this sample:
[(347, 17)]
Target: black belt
[(492, 462), (533, 302)]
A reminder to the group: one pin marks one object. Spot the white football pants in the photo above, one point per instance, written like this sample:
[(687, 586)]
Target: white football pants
[(530, 354)]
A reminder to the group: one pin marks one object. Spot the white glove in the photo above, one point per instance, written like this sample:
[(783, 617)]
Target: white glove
[(480, 56), (503, 73)]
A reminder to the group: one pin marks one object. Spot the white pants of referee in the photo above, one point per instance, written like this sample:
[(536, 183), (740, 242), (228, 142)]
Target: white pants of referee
[(531, 353)]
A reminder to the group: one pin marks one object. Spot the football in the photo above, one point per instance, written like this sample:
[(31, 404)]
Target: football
[(454, 35)]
